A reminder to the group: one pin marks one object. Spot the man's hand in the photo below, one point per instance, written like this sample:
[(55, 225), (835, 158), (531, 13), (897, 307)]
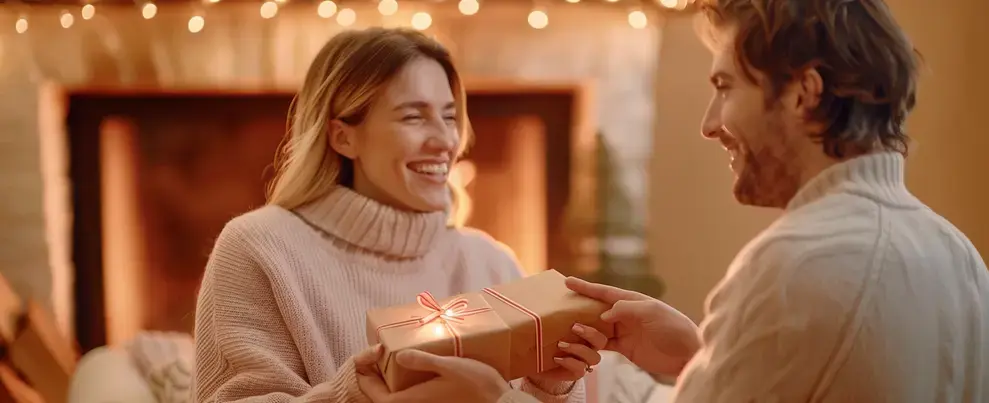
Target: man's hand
[(651, 334), (461, 379)]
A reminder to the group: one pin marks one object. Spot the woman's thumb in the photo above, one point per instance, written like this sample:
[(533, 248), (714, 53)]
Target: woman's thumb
[(365, 360)]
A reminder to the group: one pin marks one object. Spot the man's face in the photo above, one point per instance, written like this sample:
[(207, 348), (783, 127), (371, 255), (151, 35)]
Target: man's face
[(753, 130)]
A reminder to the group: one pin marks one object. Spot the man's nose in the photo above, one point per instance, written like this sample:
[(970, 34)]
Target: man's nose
[(711, 124)]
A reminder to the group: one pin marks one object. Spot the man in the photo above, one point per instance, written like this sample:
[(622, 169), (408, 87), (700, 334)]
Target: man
[(858, 292)]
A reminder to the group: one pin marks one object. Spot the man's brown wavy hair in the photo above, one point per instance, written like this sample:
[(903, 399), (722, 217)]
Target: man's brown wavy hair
[(868, 66)]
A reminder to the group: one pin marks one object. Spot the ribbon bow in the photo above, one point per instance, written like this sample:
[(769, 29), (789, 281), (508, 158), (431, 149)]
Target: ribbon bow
[(454, 310)]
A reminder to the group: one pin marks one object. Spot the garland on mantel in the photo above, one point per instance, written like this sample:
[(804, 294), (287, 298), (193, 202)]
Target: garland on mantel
[(538, 18)]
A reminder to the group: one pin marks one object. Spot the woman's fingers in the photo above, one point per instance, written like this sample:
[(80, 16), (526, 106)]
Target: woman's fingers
[(587, 355), (576, 367), (594, 337)]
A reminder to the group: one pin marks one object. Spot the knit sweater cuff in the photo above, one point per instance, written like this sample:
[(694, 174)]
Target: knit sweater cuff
[(342, 388), (517, 396), (550, 392)]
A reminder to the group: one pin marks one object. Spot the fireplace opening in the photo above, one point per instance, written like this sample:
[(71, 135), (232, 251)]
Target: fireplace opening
[(157, 174)]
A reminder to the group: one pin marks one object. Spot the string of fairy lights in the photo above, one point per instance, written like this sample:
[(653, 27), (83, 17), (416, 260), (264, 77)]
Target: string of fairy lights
[(538, 18)]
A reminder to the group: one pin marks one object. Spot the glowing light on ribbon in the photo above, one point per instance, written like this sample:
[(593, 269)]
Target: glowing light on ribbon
[(539, 323), (453, 311)]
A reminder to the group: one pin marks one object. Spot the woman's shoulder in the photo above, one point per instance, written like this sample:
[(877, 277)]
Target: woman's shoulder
[(257, 243), (267, 219), (480, 247), (479, 241), (259, 228)]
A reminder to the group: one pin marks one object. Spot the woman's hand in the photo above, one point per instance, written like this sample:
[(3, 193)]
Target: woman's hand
[(579, 359), (465, 379)]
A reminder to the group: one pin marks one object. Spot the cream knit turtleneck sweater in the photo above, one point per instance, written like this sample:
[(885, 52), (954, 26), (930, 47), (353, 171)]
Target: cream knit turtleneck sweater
[(281, 309), (858, 293)]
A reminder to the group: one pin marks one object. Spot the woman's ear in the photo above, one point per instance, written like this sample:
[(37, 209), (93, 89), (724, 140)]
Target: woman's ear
[(343, 139)]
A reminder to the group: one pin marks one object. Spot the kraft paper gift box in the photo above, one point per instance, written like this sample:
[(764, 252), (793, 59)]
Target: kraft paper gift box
[(513, 327)]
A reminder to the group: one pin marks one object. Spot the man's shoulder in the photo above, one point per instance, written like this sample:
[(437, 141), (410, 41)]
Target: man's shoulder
[(792, 242), (818, 264)]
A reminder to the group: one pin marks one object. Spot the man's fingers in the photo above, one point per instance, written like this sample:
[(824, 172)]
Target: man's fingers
[(366, 360), (601, 292), (418, 360)]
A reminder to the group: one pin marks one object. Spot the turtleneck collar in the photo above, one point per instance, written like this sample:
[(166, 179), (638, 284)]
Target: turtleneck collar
[(367, 224), (878, 176)]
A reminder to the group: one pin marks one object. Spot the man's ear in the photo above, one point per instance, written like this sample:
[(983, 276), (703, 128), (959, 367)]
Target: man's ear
[(808, 89), (343, 139)]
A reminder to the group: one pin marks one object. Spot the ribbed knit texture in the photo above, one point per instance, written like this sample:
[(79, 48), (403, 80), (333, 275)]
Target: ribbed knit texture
[(282, 304), (858, 293)]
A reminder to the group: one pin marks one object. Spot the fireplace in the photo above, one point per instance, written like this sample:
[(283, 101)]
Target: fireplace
[(156, 174)]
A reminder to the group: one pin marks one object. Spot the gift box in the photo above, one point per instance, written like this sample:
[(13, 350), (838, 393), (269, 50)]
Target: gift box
[(514, 328)]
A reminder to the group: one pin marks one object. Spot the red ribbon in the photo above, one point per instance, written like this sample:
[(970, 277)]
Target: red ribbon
[(453, 311), (539, 323)]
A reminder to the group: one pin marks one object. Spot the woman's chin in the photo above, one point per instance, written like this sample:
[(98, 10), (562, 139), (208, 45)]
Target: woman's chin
[(430, 203)]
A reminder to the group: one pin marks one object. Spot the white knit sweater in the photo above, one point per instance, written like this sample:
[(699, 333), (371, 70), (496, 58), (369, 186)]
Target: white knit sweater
[(858, 293)]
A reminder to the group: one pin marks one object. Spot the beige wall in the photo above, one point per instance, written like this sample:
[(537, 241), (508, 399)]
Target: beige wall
[(696, 227)]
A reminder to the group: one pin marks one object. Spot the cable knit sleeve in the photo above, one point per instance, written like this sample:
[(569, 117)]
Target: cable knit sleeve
[(244, 350), (506, 268)]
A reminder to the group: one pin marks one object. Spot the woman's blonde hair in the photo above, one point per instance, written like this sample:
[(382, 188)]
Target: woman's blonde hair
[(343, 81)]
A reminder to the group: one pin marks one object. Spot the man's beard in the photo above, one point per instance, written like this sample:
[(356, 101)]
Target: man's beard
[(770, 175)]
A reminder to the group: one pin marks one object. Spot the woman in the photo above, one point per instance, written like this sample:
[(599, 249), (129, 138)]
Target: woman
[(356, 219)]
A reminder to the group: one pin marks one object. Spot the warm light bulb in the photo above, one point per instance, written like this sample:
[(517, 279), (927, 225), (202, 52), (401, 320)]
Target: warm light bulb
[(21, 25), (538, 19), (326, 9), (421, 20), (468, 7), (88, 11), (387, 7), (668, 3), (346, 17), (637, 19), (196, 23), (66, 19), (149, 10), (269, 9), (573, 1)]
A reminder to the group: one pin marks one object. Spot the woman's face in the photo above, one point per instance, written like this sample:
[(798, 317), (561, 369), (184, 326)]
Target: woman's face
[(404, 148)]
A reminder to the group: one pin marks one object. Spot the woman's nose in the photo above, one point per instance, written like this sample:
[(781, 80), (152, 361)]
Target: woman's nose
[(444, 137)]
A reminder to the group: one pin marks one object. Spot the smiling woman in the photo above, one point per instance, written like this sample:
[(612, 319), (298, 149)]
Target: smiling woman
[(357, 218)]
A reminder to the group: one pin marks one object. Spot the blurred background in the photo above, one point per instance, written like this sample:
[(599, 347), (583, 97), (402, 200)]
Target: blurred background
[(130, 132)]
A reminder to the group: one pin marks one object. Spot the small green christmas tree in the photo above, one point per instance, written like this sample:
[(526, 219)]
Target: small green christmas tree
[(618, 225)]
